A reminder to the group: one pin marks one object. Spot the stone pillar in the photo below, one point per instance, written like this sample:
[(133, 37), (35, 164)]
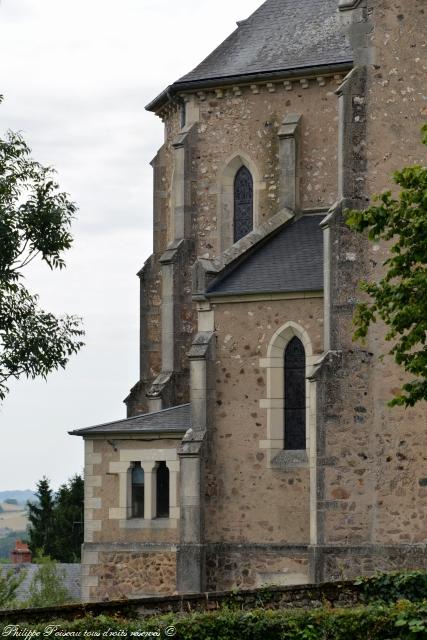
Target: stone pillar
[(150, 493), (190, 557), (289, 135), (191, 552)]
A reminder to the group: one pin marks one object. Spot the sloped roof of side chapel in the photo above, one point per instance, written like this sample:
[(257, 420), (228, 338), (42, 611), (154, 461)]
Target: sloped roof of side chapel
[(281, 36)]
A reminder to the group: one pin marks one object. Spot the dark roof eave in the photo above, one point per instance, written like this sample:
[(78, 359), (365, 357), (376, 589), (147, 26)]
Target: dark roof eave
[(119, 434), (231, 294), (171, 91)]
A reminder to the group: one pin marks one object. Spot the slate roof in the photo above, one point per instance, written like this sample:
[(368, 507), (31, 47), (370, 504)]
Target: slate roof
[(173, 420), (282, 35), (69, 573), (291, 260)]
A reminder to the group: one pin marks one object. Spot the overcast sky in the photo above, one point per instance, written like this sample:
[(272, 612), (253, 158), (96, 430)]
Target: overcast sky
[(76, 75)]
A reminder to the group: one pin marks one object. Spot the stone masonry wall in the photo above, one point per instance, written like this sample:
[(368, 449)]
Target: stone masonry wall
[(106, 496), (238, 121), (372, 460), (397, 108), (122, 574), (245, 500), (249, 567)]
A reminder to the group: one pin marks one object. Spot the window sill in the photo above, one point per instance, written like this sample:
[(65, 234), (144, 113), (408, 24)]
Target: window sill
[(290, 459), (142, 523)]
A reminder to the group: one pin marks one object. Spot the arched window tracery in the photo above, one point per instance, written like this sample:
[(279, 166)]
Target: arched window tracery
[(295, 395), (243, 203)]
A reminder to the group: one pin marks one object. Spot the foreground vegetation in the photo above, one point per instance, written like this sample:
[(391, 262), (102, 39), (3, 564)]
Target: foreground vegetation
[(379, 621), (392, 606)]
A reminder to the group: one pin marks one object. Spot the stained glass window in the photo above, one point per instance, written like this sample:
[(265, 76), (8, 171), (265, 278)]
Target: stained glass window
[(295, 396), (243, 203)]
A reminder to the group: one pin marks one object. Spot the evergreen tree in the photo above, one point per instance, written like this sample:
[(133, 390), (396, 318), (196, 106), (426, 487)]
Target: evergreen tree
[(41, 517), (56, 520), (69, 503)]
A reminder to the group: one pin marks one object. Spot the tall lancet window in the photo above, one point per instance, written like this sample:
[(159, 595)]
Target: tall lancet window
[(295, 396), (243, 203), (137, 490)]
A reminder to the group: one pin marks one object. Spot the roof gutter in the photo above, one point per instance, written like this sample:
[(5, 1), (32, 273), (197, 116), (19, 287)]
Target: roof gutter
[(170, 93)]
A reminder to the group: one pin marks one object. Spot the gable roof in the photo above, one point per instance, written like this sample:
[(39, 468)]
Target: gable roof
[(282, 35), (173, 420), (290, 261)]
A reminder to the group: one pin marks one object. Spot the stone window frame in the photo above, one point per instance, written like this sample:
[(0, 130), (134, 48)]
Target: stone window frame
[(148, 459), (226, 197), (277, 456)]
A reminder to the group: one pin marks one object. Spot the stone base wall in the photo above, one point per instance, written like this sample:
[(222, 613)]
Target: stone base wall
[(252, 566), (113, 574), (346, 563)]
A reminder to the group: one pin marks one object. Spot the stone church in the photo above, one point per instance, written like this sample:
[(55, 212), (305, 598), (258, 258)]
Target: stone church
[(259, 447)]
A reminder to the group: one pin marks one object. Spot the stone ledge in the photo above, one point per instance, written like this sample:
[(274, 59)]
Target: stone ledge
[(288, 459)]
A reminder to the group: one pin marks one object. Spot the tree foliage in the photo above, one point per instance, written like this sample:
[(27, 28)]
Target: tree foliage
[(400, 296), (47, 586), (35, 221), (9, 583), (56, 520)]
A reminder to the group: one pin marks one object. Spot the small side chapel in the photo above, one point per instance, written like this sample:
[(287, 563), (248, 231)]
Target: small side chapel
[(251, 449)]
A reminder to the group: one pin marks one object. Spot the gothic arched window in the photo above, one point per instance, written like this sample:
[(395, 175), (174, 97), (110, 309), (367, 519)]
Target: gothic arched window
[(137, 490), (295, 396), (243, 203)]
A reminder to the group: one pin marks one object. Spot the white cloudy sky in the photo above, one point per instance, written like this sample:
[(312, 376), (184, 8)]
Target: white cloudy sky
[(76, 75)]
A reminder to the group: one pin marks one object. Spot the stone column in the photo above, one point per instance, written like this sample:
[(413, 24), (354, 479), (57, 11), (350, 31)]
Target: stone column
[(190, 556), (150, 493), (289, 135)]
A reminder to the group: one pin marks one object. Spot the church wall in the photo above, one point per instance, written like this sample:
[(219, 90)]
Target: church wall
[(246, 501), (119, 556), (238, 121), (244, 122), (372, 497), (248, 568), (397, 110)]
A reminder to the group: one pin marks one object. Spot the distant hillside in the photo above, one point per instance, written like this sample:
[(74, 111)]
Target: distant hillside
[(16, 494)]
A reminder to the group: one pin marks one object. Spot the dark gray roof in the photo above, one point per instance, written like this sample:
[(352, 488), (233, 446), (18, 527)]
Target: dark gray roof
[(173, 420), (281, 34), (69, 574), (291, 260)]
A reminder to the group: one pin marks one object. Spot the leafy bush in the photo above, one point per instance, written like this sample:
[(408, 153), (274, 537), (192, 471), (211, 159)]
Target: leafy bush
[(397, 585), (47, 587), (403, 620)]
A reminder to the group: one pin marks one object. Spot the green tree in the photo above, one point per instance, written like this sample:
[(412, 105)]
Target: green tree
[(68, 520), (399, 299), (9, 583), (47, 586), (41, 516), (56, 520), (35, 220)]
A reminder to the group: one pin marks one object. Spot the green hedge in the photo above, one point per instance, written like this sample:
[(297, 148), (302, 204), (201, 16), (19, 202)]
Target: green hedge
[(403, 620), (396, 585)]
